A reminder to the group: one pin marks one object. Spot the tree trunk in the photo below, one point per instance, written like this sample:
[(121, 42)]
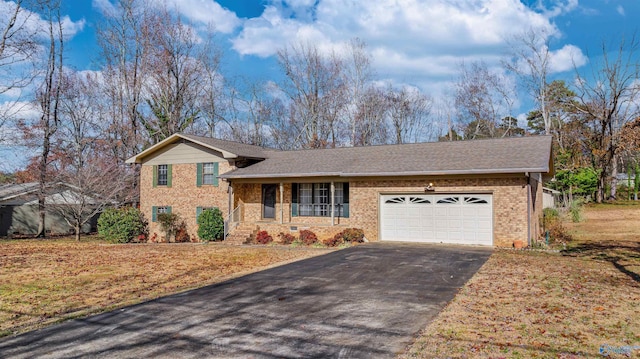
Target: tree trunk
[(614, 179), (77, 229)]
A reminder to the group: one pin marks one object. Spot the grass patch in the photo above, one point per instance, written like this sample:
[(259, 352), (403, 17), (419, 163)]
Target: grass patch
[(571, 304), (47, 281)]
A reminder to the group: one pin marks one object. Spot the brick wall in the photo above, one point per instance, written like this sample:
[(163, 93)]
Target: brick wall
[(183, 196), (509, 205)]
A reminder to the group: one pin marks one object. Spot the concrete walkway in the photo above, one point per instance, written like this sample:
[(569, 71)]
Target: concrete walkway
[(367, 301)]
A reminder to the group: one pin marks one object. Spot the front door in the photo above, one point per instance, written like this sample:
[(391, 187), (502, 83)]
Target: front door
[(269, 200)]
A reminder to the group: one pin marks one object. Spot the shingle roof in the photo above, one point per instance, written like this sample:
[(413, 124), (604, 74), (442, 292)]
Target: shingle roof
[(507, 155), (9, 191), (237, 148), (229, 149)]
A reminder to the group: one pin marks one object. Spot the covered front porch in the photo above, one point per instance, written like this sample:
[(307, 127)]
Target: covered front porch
[(287, 207)]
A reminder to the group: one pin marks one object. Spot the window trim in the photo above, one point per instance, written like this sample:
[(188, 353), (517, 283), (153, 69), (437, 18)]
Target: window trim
[(320, 205)]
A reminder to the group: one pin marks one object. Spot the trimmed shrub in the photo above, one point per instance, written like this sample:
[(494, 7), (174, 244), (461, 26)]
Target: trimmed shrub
[(307, 237), (334, 241), (210, 225), (353, 235), (263, 237), (169, 224), (286, 238), (182, 236), (122, 225)]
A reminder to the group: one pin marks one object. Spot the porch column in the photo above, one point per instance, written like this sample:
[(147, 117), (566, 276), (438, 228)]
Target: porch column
[(333, 192), (281, 203), (230, 201)]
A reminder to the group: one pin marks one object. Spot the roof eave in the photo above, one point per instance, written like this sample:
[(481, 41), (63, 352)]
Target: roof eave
[(388, 174), (171, 139)]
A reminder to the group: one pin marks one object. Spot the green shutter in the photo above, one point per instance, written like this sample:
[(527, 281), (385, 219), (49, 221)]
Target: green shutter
[(155, 176), (294, 200), (168, 175), (345, 192), (345, 200), (154, 214), (198, 212), (199, 175), (168, 209), (215, 174)]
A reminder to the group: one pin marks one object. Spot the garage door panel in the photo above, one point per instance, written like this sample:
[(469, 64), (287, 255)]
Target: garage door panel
[(437, 218)]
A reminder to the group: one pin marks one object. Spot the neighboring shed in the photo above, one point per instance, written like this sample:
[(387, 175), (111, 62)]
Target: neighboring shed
[(19, 210), (549, 197)]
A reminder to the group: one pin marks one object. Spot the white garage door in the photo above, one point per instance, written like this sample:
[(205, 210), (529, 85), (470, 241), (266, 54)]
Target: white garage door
[(447, 218)]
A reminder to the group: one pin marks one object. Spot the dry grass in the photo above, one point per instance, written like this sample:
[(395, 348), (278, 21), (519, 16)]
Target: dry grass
[(42, 282), (527, 304)]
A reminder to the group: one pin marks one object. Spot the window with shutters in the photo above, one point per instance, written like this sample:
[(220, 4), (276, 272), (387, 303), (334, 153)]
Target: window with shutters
[(208, 173), (163, 175), (314, 199)]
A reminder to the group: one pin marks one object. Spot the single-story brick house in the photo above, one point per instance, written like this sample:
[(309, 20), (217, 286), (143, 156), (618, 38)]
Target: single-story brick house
[(485, 192)]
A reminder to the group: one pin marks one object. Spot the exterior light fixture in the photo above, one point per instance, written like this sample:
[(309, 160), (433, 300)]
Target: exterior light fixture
[(429, 188)]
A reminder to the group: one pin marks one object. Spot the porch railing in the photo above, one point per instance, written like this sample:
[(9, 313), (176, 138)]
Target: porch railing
[(233, 220)]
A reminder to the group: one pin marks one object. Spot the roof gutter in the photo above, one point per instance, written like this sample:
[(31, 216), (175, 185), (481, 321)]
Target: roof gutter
[(230, 175)]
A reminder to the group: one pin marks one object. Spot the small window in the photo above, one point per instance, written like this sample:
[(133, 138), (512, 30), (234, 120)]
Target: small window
[(449, 200), (419, 200), (475, 200), (162, 175), (156, 210), (395, 200), (199, 210), (208, 173)]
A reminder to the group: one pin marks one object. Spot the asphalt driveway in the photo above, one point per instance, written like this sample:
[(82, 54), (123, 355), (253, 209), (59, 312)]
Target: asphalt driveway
[(367, 301)]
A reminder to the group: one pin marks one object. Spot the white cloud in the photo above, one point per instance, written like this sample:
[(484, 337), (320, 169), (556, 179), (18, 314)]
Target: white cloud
[(104, 6), (35, 24), (205, 12), (620, 10), (566, 58), (198, 12), (415, 42)]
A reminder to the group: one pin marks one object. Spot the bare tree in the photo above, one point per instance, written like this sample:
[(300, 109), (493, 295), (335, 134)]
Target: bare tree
[(89, 176), (125, 53), (175, 72), (482, 98), (48, 99), (316, 92), (408, 112), (608, 102), (369, 126), (18, 51), (530, 60), (357, 76)]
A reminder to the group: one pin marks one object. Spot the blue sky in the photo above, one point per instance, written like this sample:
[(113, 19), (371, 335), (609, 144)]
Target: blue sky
[(417, 43)]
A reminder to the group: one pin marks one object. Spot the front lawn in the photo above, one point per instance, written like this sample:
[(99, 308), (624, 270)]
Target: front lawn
[(45, 281), (580, 303)]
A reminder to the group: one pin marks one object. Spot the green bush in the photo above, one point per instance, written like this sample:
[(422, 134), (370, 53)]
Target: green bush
[(576, 210), (210, 225), (122, 225)]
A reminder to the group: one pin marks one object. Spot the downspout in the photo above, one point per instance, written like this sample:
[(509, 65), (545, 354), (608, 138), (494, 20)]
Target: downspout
[(528, 208), (281, 203)]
